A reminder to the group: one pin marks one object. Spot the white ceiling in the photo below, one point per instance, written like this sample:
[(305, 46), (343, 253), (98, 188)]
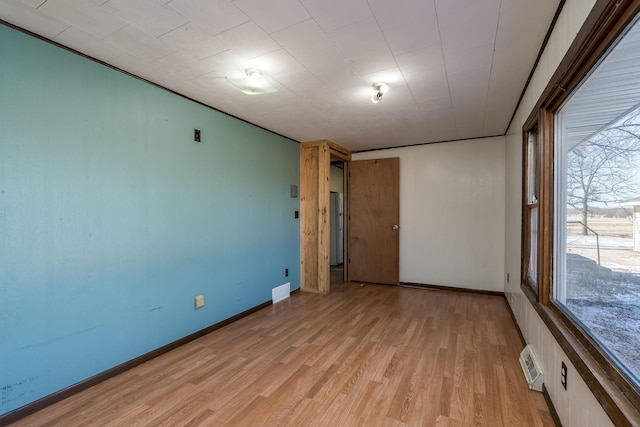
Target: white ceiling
[(456, 68)]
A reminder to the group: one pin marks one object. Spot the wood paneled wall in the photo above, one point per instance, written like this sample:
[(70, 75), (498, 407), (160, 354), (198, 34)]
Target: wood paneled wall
[(315, 171)]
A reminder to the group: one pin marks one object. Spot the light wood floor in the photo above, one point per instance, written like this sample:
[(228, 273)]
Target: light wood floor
[(364, 355)]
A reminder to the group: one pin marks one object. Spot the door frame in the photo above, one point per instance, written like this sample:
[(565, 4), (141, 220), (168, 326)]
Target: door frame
[(315, 172)]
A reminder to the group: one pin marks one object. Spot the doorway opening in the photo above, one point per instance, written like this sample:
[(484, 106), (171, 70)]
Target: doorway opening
[(337, 236)]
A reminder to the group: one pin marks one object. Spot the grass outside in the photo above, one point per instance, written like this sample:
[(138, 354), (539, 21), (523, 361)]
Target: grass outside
[(603, 286), (604, 226)]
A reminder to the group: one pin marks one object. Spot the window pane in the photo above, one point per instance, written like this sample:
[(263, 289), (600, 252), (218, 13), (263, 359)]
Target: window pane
[(533, 245), (532, 168), (597, 255), (531, 239)]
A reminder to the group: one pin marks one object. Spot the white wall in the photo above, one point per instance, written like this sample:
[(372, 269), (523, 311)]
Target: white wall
[(336, 180), (576, 406), (451, 212)]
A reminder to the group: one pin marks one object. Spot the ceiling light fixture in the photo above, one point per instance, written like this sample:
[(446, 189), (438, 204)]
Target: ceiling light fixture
[(381, 89), (254, 83)]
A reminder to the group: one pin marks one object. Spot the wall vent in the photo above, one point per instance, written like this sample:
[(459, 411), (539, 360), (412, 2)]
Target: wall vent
[(531, 368), (281, 292)]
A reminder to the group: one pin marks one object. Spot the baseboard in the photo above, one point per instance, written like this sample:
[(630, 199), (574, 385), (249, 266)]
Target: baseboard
[(450, 288), (515, 321), (60, 395), (552, 409), (545, 392)]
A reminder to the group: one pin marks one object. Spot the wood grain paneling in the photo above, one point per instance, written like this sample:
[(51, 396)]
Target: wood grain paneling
[(363, 355), (309, 216), (315, 175), (618, 394), (374, 214), (545, 232)]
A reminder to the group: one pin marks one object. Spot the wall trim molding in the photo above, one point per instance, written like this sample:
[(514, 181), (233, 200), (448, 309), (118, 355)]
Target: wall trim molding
[(612, 387), (55, 397), (451, 288), (515, 322), (552, 408), (113, 67), (545, 392), (618, 405)]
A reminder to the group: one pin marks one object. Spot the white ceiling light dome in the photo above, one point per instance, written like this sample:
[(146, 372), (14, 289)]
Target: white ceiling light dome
[(254, 83)]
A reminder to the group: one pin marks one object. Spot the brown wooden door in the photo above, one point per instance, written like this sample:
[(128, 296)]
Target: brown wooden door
[(374, 216)]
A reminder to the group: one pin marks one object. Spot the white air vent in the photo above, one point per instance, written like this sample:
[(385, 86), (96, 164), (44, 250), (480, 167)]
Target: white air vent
[(281, 292), (531, 368)]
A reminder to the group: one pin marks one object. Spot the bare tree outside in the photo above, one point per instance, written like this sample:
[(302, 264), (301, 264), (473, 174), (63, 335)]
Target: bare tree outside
[(602, 169), (602, 270), (596, 259)]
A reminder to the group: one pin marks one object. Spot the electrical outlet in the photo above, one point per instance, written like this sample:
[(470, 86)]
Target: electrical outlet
[(286, 272), (563, 375)]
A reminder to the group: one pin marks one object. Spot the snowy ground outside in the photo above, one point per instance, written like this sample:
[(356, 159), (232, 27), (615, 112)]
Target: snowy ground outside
[(606, 297)]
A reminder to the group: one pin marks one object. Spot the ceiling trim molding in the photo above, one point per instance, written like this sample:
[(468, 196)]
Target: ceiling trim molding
[(428, 143), (91, 58), (535, 64)]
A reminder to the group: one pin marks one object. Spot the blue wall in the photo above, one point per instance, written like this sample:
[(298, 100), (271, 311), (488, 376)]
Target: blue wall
[(112, 219)]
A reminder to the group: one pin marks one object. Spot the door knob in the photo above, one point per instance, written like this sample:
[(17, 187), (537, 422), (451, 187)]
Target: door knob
[(395, 227)]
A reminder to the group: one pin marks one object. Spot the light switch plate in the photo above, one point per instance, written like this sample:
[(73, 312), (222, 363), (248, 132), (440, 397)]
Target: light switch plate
[(198, 301)]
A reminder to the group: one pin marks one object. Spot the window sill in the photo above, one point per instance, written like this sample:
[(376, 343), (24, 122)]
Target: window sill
[(618, 397)]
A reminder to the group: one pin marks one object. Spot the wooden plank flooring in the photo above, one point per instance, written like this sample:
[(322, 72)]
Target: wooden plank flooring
[(363, 355)]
